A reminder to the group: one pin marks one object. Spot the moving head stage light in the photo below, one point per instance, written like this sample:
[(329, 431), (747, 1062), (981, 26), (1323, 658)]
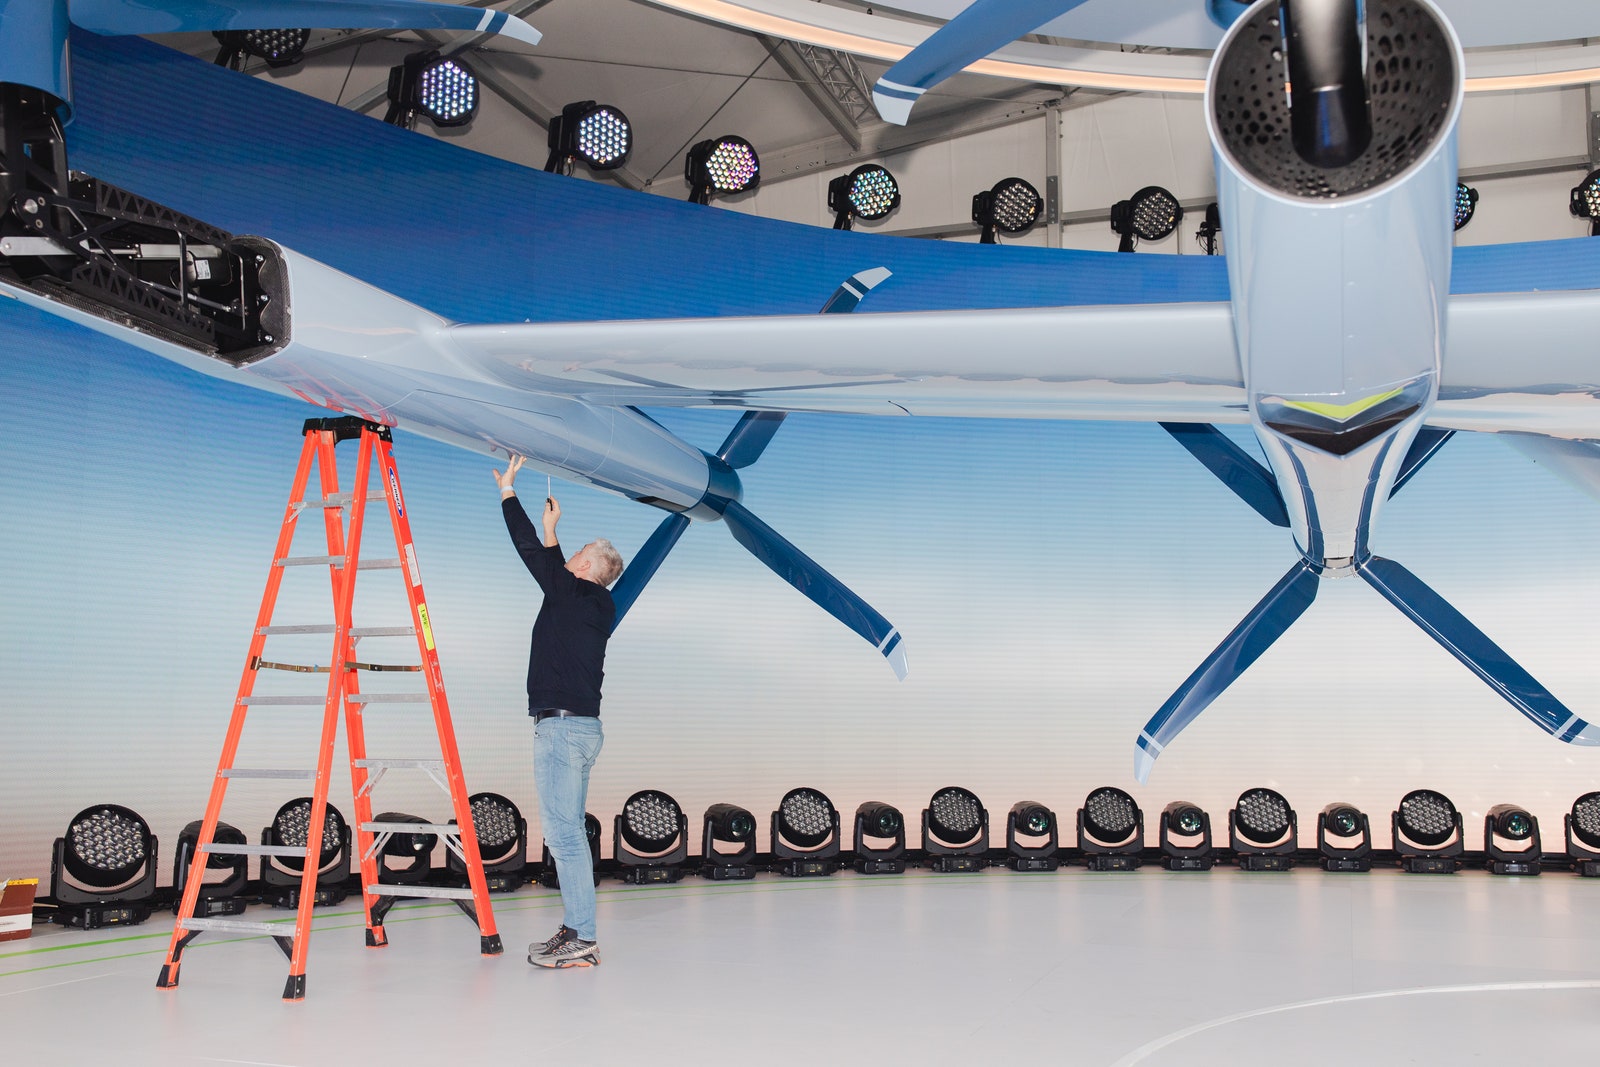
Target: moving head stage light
[(405, 856), (1427, 833), (502, 844), (1344, 838), (955, 830), (1511, 840), (1262, 831), (728, 824), (280, 875), (1583, 834), (650, 838), (1185, 835), (549, 877), (1110, 830), (1032, 837), (103, 869), (879, 822), (218, 896), (805, 834)]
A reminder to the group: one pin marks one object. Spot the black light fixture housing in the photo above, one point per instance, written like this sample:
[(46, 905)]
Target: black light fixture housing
[(405, 857), (218, 895), (549, 877), (724, 166), (280, 875), (1263, 831), (1209, 229), (650, 838), (1185, 835), (1585, 202), (502, 844), (879, 822), (440, 88), (1110, 830), (728, 824), (1033, 837), (599, 135), (1344, 838), (955, 830), (1511, 840), (1150, 215), (1011, 207), (1427, 833), (103, 869), (805, 834), (869, 192), (278, 48), (1582, 825), (1466, 203)]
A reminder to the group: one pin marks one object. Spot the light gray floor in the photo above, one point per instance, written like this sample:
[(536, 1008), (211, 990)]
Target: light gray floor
[(998, 967)]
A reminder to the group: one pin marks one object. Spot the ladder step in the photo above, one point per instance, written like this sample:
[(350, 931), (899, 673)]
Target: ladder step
[(446, 892), (392, 563), (270, 772), (327, 628), (405, 828), (307, 700), (302, 628), (385, 698), (403, 764), (256, 850), (240, 926)]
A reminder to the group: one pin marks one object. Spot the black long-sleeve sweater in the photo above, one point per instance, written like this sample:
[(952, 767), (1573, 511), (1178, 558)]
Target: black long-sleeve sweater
[(566, 659)]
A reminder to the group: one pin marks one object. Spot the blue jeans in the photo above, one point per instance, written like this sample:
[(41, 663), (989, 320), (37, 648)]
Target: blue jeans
[(564, 749)]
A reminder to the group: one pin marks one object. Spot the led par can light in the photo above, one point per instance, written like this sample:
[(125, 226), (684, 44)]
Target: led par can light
[(1263, 831), (726, 165), (1466, 203), (598, 134), (1110, 830), (219, 892), (805, 834), (548, 875), (1185, 836), (1427, 833), (1011, 207), (1149, 215), (1344, 838), (1511, 840), (502, 835), (955, 830), (1582, 825), (869, 192), (1033, 837), (276, 48), (1585, 202), (734, 829), (879, 841), (103, 869), (650, 838)]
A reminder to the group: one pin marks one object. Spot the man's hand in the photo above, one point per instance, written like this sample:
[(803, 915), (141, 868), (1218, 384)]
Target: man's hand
[(504, 480), (552, 515)]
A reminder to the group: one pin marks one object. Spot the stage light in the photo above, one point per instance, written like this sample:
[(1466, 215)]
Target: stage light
[(280, 875), (728, 824), (549, 877), (1466, 203), (1209, 228), (1585, 202), (1185, 834), (218, 896), (883, 823), (1110, 830), (103, 869), (1583, 834), (1011, 207), (1032, 821), (1427, 833), (598, 134), (502, 844), (805, 833), (650, 838), (955, 830), (868, 192), (726, 165), (1344, 838), (1511, 840), (1150, 214), (444, 91), (1262, 831), (410, 851), (279, 48)]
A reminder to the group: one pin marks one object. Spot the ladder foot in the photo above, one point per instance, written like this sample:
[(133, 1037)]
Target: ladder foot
[(295, 987), (490, 946), (377, 937), (168, 978)]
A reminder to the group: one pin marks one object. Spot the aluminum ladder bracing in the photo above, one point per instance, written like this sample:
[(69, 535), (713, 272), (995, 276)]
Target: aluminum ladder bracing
[(343, 694)]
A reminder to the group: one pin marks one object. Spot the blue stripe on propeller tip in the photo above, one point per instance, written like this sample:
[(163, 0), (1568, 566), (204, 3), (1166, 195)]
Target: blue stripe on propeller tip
[(1262, 625), (1439, 619)]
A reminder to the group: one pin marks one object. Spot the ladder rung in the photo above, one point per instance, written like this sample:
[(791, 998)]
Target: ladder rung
[(447, 892), (390, 564), (380, 631), (406, 828), (302, 628), (255, 850), (284, 700), (403, 764), (239, 926), (309, 561), (386, 698), (269, 772)]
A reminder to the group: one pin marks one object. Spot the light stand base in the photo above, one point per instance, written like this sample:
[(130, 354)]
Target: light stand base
[(1345, 863), (94, 916), (1514, 866), (1428, 864), (1188, 863), (957, 864), (724, 872), (1589, 868), (1033, 863), (1254, 862), (896, 866), (1111, 863), (648, 875), (807, 868)]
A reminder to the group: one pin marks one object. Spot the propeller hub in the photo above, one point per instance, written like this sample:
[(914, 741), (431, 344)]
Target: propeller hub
[(722, 488)]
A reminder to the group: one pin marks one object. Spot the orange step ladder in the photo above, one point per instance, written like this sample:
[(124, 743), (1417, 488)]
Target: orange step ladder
[(344, 561)]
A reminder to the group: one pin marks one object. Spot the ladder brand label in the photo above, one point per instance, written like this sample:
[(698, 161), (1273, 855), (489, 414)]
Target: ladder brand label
[(427, 630), (394, 487), (411, 565)]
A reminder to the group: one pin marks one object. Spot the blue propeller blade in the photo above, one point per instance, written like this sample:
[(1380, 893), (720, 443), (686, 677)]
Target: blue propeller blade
[(1427, 442), (983, 27), (822, 588), (750, 437), (1264, 624), (1233, 466), (645, 563), (172, 16), (1472, 646)]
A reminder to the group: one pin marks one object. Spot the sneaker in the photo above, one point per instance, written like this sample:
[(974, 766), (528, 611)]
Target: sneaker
[(573, 952), (564, 934)]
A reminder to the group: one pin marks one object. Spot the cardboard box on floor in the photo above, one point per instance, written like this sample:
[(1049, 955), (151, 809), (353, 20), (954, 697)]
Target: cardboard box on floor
[(16, 908)]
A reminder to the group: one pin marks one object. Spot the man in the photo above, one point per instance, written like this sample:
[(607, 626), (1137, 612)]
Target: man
[(565, 668)]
